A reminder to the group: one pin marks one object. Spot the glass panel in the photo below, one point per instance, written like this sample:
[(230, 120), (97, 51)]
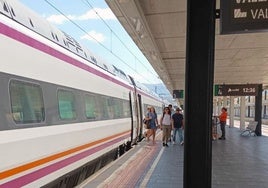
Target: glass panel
[(90, 102), (103, 105), (27, 103), (66, 105), (126, 109), (117, 108)]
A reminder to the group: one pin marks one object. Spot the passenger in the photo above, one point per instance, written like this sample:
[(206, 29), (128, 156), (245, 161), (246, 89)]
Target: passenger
[(153, 124), (147, 131), (177, 126), (165, 125), (171, 109), (172, 112), (223, 117)]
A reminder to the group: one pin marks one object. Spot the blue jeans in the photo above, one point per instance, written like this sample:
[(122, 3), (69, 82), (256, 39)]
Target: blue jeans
[(180, 132)]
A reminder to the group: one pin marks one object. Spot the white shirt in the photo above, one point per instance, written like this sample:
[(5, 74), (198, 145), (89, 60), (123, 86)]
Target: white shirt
[(166, 119)]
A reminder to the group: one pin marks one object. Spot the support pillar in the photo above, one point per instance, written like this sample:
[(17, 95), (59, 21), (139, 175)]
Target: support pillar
[(215, 112), (225, 101), (200, 43), (231, 112), (258, 110), (242, 112), (219, 105)]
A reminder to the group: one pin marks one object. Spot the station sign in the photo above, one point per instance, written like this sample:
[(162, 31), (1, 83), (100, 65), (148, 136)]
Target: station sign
[(178, 94), (243, 16), (236, 90)]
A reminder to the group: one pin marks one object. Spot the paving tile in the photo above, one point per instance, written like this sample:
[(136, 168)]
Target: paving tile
[(237, 162)]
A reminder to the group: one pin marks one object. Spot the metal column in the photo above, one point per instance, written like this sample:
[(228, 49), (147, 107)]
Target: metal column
[(258, 110), (199, 93), (242, 112), (231, 112)]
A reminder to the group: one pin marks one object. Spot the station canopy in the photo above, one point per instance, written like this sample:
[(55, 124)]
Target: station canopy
[(158, 28)]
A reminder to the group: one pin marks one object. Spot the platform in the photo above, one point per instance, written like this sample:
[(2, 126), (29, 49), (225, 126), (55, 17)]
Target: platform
[(239, 161)]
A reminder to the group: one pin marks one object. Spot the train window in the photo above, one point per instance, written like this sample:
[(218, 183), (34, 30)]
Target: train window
[(117, 108), (66, 103), (103, 104), (126, 108), (27, 103), (110, 104), (90, 102)]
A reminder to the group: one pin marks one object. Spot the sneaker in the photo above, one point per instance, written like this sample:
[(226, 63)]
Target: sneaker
[(166, 145), (222, 138), (182, 143), (173, 143)]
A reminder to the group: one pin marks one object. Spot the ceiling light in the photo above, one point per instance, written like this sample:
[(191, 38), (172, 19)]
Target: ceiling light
[(138, 26)]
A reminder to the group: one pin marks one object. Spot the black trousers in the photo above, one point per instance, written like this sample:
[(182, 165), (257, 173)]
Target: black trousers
[(222, 124)]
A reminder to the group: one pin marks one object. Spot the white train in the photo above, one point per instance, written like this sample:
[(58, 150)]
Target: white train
[(64, 113)]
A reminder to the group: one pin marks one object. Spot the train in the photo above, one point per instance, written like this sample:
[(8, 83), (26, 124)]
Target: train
[(65, 113)]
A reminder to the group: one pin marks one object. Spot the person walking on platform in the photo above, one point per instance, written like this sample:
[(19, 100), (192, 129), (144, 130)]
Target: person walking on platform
[(153, 124), (147, 128), (165, 125), (171, 113), (177, 126), (171, 109), (223, 117)]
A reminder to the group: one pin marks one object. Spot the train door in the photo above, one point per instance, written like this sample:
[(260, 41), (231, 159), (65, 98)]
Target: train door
[(140, 124), (136, 114), (134, 117)]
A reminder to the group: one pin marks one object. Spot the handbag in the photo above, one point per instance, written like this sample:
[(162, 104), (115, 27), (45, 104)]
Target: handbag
[(146, 123)]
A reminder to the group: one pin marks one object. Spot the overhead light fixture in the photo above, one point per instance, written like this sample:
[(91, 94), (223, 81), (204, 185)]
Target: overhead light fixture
[(153, 55), (138, 25), (123, 1)]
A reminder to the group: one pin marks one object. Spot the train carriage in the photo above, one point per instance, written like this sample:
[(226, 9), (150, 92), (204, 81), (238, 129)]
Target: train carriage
[(64, 112)]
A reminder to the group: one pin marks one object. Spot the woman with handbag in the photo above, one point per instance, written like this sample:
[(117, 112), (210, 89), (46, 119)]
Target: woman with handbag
[(153, 122), (146, 123)]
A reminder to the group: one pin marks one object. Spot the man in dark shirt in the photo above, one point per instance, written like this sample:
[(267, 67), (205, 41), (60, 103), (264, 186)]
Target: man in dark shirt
[(177, 126)]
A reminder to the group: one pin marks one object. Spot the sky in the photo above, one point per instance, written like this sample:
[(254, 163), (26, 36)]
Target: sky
[(101, 33)]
